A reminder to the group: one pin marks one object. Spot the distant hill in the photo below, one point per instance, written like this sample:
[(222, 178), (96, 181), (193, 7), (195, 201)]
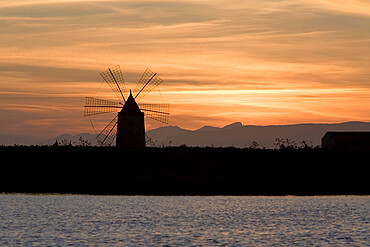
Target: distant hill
[(235, 134), (238, 135), (10, 140)]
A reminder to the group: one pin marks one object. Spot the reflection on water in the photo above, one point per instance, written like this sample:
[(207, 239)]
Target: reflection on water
[(183, 221)]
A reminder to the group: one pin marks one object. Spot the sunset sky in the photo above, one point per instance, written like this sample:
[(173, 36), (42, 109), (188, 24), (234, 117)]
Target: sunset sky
[(260, 62)]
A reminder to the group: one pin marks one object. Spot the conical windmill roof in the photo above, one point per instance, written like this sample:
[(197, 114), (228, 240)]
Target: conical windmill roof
[(131, 107)]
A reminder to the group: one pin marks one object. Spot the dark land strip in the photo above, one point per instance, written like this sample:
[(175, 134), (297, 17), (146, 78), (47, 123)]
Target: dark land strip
[(183, 171)]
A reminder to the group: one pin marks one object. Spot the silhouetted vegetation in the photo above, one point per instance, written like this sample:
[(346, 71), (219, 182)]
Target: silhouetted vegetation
[(281, 143), (290, 170), (81, 143)]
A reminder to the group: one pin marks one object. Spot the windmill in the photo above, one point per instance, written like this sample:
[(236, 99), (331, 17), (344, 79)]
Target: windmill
[(128, 126)]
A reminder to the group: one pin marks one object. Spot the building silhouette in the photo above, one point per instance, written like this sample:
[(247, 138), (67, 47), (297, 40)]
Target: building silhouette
[(346, 140), (130, 126)]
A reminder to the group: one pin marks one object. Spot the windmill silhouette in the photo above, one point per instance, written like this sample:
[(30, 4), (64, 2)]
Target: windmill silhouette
[(128, 126)]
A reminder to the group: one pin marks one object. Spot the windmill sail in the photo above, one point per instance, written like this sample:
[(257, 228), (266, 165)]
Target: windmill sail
[(115, 80), (106, 137), (95, 106), (159, 112), (147, 82)]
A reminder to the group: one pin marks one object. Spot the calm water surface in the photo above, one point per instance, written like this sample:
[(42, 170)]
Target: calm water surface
[(30, 220)]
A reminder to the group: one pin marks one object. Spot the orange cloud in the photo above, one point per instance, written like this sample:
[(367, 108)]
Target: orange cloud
[(361, 7)]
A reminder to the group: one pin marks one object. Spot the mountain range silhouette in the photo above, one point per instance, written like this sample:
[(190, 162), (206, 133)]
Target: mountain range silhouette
[(232, 135)]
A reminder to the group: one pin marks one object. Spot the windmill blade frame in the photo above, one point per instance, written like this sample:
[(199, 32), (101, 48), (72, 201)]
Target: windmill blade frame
[(159, 112), (107, 135), (113, 76), (148, 81), (129, 131), (94, 106)]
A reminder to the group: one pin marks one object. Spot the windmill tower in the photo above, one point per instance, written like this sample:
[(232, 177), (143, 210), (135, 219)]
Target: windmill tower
[(128, 126)]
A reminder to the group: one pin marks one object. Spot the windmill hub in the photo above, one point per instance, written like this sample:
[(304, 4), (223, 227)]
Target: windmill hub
[(131, 106), (128, 126)]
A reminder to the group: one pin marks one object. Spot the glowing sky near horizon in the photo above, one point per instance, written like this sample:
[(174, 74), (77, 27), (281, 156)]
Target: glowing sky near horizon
[(259, 62)]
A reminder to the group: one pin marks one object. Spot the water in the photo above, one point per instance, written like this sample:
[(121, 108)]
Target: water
[(48, 220)]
